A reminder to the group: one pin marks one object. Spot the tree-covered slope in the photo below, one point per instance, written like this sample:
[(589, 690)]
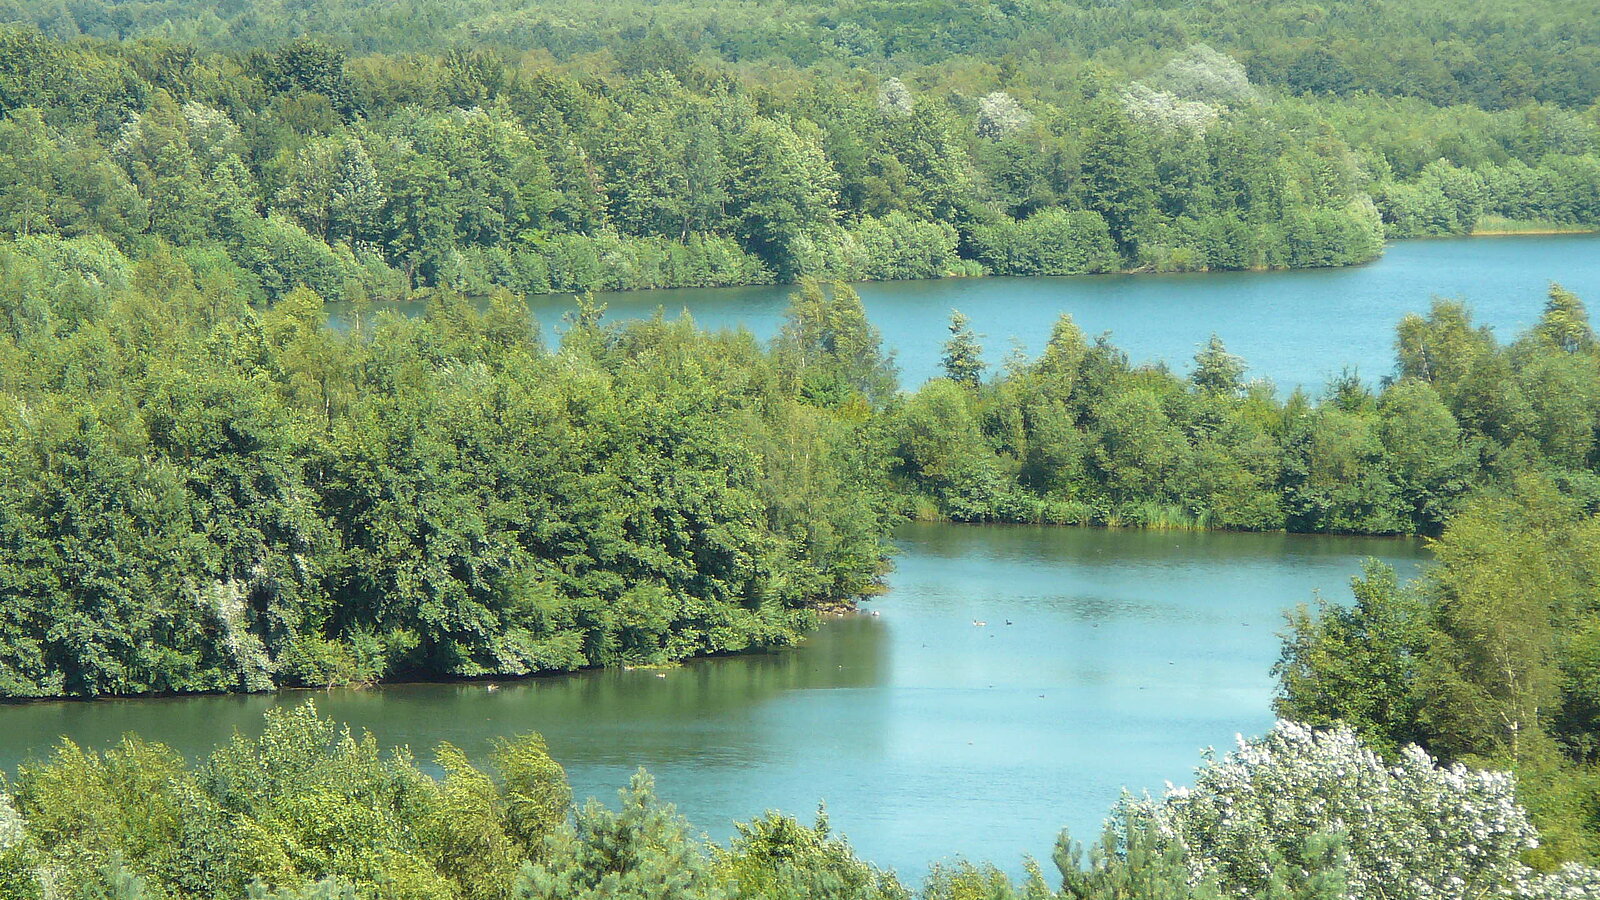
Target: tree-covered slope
[(1488, 54), (473, 168)]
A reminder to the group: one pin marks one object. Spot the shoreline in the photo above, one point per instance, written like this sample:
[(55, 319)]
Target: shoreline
[(1538, 232), (423, 294), (824, 612)]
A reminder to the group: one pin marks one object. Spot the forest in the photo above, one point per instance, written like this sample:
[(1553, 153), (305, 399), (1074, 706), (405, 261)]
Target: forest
[(204, 496), (656, 153)]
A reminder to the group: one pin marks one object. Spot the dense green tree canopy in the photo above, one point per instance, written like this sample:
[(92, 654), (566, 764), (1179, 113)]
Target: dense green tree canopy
[(1081, 436), (201, 497), (646, 154)]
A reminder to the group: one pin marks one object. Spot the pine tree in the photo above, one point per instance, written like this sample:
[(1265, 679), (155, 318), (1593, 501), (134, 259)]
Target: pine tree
[(963, 356), (1217, 371), (642, 852)]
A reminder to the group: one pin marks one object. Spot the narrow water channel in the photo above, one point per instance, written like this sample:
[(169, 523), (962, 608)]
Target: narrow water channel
[(1296, 328)]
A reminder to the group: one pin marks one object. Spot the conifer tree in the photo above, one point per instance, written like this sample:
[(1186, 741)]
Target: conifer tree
[(963, 356)]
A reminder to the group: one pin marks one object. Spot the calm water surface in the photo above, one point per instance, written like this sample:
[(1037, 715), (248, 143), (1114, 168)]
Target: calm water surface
[(926, 735), (1296, 328)]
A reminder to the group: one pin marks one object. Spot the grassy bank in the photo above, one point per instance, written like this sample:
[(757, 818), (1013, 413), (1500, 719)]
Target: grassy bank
[(1490, 226)]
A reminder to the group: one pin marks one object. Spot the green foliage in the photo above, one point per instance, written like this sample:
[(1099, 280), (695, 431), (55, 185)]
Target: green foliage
[(535, 788), (1358, 664), (207, 498), (1487, 657), (963, 356), (308, 811), (305, 811), (1129, 860), (1216, 370), (1049, 242), (829, 349), (1079, 435), (776, 858), (642, 851), (621, 156)]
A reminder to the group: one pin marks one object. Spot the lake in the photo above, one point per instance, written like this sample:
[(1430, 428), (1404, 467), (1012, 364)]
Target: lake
[(1296, 328), (927, 736)]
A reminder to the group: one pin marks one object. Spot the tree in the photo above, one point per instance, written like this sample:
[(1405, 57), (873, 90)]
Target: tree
[(1141, 452), (1201, 73), (641, 852), (1217, 371), (783, 190), (1116, 172), (1359, 665), (1409, 830), (963, 356), (776, 858), (311, 66), (830, 349), (1000, 115), (1130, 860), (1493, 676), (537, 794), (1424, 447), (894, 99), (1565, 323)]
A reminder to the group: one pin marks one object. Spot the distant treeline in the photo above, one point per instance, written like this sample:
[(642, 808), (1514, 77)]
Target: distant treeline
[(368, 176), (1494, 56)]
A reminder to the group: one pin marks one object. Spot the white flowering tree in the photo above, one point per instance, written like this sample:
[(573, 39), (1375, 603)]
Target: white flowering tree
[(999, 114), (894, 98), (1413, 830), (212, 134), (1154, 110), (1201, 73)]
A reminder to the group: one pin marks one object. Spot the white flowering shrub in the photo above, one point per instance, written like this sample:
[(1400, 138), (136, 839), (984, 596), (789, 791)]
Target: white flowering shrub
[(249, 655), (1571, 883), (19, 880), (1409, 831), (10, 824)]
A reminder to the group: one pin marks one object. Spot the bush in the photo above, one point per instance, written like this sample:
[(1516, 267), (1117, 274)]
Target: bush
[(1050, 242), (1411, 831)]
